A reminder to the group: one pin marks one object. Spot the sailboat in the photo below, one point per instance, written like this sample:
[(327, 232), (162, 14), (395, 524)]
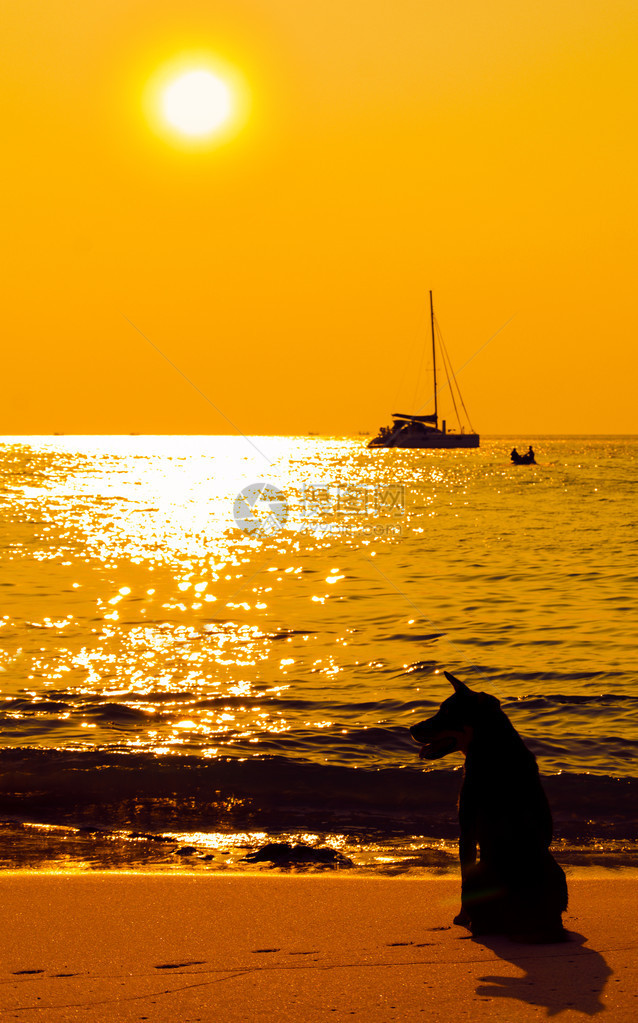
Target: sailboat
[(417, 431)]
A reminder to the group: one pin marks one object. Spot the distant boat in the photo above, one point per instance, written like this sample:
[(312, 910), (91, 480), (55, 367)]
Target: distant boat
[(416, 431), (526, 459)]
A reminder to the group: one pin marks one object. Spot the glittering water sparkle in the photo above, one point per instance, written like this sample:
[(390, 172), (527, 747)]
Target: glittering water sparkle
[(137, 618)]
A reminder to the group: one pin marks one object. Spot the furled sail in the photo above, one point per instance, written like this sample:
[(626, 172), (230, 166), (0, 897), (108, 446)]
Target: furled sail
[(416, 419)]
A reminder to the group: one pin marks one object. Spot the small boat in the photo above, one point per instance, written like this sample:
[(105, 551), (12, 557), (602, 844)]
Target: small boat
[(526, 459), (422, 431)]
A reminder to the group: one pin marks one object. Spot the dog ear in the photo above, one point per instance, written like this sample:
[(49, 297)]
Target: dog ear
[(457, 685)]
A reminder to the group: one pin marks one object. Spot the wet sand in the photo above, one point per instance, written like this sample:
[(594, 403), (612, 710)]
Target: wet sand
[(231, 949)]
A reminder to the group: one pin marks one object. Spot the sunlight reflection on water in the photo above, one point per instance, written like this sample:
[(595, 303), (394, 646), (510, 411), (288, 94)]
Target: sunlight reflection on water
[(139, 617)]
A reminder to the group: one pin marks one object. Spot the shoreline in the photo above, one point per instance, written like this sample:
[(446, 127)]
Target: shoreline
[(237, 949), (453, 875), (39, 847)]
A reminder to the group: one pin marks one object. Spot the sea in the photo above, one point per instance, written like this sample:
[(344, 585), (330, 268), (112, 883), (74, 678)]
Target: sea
[(212, 648)]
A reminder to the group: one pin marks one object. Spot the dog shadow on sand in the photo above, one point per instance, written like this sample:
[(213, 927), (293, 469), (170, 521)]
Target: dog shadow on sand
[(557, 977)]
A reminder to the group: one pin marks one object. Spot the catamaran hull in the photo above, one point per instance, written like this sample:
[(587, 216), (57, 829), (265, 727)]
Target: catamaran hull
[(416, 439)]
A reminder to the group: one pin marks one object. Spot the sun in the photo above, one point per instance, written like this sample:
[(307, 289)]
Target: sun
[(197, 103)]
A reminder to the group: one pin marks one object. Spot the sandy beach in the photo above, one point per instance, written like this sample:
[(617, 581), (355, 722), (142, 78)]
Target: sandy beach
[(125, 947)]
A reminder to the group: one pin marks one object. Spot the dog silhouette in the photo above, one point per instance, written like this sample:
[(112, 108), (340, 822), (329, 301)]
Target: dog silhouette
[(515, 886)]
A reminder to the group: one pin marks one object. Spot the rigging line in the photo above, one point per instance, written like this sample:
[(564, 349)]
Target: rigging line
[(449, 372), (199, 391), (477, 352), (467, 415), (466, 412), (455, 384)]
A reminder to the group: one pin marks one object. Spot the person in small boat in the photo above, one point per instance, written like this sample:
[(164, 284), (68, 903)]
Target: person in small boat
[(530, 454), (514, 455)]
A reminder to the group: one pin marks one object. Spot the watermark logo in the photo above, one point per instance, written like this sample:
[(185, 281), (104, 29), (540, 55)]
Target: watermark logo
[(260, 508), (341, 503), (324, 510)]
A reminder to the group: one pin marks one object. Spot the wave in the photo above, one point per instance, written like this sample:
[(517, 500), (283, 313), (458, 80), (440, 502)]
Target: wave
[(592, 734), (162, 793)]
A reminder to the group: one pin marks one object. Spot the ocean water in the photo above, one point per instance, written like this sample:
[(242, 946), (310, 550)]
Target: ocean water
[(188, 674)]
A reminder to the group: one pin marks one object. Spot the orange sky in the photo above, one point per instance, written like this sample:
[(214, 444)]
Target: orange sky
[(482, 149)]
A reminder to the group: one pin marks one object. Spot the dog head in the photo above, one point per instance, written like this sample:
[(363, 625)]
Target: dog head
[(452, 727)]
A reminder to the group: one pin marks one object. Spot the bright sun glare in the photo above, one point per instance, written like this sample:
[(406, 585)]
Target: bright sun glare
[(197, 103)]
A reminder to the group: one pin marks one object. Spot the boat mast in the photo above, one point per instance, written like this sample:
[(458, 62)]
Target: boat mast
[(433, 356)]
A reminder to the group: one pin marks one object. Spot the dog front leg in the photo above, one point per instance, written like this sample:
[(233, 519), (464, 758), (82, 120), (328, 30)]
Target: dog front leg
[(467, 856), (467, 826), (467, 849)]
